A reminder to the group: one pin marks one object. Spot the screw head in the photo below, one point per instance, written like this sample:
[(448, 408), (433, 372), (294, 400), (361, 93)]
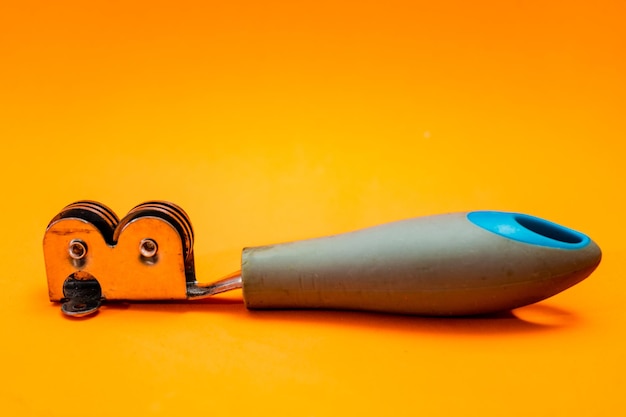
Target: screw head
[(77, 249), (148, 248)]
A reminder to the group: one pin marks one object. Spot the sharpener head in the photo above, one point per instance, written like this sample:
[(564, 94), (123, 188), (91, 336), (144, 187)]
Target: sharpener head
[(92, 256)]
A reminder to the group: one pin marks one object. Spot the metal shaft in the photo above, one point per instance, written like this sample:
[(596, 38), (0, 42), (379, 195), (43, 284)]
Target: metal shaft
[(231, 282)]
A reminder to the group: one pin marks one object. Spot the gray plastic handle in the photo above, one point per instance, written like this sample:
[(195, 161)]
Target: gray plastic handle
[(439, 265)]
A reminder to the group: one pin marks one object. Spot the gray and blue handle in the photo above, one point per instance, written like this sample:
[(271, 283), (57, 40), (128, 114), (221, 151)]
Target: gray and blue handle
[(447, 265)]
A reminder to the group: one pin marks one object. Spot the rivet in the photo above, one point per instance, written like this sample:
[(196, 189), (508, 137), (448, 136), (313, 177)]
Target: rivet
[(148, 248), (77, 249)]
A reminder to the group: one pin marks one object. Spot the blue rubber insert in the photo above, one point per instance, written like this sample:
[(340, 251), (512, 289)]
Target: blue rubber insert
[(529, 229)]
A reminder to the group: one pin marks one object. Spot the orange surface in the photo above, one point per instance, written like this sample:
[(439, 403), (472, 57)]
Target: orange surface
[(270, 121)]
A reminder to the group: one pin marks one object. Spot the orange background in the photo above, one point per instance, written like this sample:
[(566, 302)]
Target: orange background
[(270, 121)]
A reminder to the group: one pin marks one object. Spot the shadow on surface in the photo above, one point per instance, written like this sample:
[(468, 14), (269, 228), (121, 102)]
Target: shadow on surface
[(529, 319)]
